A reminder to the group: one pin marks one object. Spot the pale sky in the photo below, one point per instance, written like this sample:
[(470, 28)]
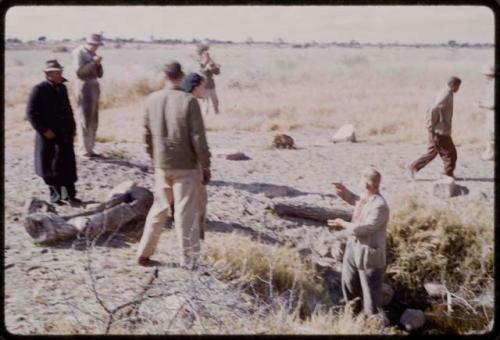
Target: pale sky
[(404, 24)]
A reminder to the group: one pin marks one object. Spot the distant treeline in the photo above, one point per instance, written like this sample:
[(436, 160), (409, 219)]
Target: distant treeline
[(118, 42)]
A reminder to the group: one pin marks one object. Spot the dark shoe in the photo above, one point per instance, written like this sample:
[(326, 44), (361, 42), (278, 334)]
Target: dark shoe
[(147, 262)]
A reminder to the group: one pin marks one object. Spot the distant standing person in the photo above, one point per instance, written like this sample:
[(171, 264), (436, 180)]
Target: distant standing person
[(364, 261), (88, 67), (209, 68), (489, 106), (49, 112), (439, 118), (175, 139), (193, 83)]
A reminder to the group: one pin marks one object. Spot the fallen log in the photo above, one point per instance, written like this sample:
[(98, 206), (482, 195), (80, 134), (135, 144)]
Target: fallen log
[(310, 212), (48, 227)]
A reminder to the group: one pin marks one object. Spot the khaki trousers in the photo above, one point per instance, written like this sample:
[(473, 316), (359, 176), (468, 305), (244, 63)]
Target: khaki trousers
[(211, 96), (87, 95), (182, 188), (203, 210)]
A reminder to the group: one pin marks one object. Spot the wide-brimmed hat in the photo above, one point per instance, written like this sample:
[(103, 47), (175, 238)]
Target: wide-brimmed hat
[(95, 39), (173, 70), (52, 65), (488, 70), (202, 48)]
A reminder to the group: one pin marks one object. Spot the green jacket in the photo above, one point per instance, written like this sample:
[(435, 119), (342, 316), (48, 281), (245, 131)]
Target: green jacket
[(175, 133), (208, 70)]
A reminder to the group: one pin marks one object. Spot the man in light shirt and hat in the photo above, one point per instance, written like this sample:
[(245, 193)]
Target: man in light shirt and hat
[(88, 68), (49, 112), (209, 68), (489, 106)]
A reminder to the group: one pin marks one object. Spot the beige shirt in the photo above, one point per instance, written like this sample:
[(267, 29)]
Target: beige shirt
[(440, 115), (174, 130), (84, 64)]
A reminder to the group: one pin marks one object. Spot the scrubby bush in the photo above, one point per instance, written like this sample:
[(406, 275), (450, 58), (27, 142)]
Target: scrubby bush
[(449, 245)]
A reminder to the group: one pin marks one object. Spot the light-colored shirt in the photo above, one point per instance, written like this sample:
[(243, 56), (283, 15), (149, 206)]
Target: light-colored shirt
[(84, 64), (440, 115)]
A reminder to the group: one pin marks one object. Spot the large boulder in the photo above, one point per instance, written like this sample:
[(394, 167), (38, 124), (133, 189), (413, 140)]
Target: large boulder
[(447, 187), (412, 319), (345, 134)]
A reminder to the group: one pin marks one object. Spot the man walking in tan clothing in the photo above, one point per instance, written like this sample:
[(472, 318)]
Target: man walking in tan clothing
[(489, 106), (364, 260), (439, 119), (88, 68), (175, 138)]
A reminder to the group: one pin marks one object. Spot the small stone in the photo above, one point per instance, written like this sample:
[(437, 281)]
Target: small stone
[(435, 289), (387, 294), (283, 141), (345, 134), (446, 188), (44, 251), (412, 319)]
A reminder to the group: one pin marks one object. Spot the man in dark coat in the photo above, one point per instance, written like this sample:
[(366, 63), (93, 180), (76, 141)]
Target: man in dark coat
[(49, 112)]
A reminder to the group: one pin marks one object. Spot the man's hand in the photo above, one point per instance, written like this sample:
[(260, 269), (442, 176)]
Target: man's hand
[(206, 176), (337, 224), (49, 134), (340, 190), (97, 60)]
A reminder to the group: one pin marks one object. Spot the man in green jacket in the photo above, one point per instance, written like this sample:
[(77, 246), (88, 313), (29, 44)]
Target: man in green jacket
[(175, 138)]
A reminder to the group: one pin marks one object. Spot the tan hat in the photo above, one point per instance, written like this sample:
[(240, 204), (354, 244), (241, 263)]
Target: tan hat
[(488, 70), (94, 39), (52, 65)]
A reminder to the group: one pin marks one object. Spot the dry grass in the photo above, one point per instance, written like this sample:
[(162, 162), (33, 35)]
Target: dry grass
[(321, 322), (267, 271), (264, 89), (451, 244)]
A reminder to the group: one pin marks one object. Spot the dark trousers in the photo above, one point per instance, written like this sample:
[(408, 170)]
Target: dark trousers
[(366, 284), (60, 192), (442, 146)]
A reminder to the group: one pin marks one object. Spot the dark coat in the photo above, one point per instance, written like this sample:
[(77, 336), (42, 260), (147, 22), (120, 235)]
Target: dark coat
[(49, 109)]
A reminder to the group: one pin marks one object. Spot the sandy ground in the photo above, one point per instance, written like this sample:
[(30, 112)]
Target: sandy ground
[(44, 285)]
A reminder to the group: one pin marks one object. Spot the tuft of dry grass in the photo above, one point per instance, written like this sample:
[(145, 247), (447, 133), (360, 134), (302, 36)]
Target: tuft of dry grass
[(452, 245), (268, 271), (321, 322)]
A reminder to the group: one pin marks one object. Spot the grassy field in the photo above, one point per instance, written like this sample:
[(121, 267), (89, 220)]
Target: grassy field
[(384, 92)]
